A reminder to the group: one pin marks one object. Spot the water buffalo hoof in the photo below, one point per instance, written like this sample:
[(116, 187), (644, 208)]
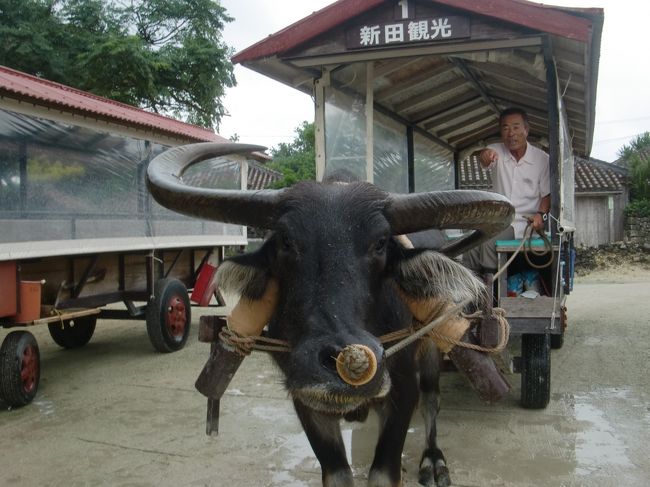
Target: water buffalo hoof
[(434, 477)]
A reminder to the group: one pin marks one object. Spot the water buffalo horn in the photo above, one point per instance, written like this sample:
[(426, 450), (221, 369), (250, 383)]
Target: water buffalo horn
[(165, 181), (484, 212)]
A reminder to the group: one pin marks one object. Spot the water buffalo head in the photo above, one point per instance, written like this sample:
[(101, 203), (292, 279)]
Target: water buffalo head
[(340, 271)]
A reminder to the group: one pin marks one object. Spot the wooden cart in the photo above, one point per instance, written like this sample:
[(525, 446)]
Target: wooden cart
[(538, 317), (81, 237), (406, 92)]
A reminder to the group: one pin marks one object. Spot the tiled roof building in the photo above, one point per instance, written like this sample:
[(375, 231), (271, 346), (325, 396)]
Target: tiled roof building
[(592, 176), (260, 177), (601, 195)]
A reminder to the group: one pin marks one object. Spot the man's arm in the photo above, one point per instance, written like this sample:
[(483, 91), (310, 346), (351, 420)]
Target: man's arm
[(542, 210), (545, 204)]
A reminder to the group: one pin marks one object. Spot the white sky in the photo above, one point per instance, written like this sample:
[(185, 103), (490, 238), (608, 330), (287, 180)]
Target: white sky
[(266, 112)]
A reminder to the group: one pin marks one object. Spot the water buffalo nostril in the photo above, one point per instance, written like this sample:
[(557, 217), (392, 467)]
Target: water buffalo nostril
[(327, 357)]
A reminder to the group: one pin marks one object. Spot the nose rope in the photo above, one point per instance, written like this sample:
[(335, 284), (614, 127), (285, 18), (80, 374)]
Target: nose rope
[(244, 345), (406, 334), (417, 334), (404, 337)]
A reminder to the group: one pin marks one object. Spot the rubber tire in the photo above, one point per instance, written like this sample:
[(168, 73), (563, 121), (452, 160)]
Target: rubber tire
[(18, 347), (167, 328), (75, 332), (535, 370)]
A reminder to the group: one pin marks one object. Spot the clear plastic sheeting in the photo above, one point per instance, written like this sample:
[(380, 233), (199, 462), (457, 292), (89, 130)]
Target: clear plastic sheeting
[(346, 140), (345, 135), (433, 166), (66, 189), (345, 143), (390, 155)]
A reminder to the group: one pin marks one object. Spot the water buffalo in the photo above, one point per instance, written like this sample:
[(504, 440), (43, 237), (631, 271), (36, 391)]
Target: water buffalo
[(341, 278)]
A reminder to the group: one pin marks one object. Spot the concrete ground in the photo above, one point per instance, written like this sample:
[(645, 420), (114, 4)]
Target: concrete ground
[(117, 413)]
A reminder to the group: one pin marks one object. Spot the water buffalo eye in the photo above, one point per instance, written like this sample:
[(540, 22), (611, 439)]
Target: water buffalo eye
[(287, 243), (380, 245)]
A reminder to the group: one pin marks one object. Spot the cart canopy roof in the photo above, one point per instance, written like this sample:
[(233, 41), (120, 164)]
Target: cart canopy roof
[(447, 67), (40, 92)]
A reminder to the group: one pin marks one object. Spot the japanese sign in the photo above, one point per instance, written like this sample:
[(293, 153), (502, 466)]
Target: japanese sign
[(407, 31)]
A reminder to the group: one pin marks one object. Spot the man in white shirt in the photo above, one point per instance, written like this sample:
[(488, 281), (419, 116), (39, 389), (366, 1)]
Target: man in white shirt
[(520, 172)]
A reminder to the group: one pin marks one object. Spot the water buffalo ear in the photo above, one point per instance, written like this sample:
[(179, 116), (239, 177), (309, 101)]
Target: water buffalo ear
[(247, 274), (425, 274)]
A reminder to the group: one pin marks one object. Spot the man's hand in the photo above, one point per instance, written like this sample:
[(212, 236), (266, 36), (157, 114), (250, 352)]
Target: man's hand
[(487, 157), (537, 221)]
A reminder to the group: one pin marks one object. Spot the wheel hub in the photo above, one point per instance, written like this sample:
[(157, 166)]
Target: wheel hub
[(176, 319), (29, 369)]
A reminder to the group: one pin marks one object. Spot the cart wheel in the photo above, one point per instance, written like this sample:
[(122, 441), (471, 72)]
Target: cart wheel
[(73, 333), (169, 315), (535, 370), (20, 368)]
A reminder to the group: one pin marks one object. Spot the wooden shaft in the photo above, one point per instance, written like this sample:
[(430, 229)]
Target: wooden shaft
[(247, 318), (481, 371)]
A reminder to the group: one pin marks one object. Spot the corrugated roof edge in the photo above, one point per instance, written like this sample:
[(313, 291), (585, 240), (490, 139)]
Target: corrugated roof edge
[(25, 87)]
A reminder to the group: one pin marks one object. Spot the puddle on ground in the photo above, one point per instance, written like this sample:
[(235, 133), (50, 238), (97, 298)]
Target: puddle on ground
[(582, 437), (291, 458), (294, 458), (268, 413), (45, 407), (591, 341), (601, 444), (234, 392), (285, 479)]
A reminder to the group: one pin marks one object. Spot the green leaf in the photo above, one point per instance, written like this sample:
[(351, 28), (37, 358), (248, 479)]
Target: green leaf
[(167, 56), (297, 160)]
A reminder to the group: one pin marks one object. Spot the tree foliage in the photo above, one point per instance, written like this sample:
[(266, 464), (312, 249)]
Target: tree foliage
[(636, 157), (163, 55), (297, 160), (638, 208)]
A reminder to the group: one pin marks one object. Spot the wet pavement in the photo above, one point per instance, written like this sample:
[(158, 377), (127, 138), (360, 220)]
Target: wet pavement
[(117, 413)]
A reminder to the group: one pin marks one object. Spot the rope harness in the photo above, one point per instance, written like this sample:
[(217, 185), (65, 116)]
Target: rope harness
[(357, 363), (404, 337)]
